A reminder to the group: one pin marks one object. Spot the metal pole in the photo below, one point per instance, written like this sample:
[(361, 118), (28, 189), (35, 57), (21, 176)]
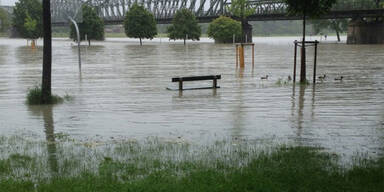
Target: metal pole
[(234, 38), (294, 63), (315, 63), (237, 56), (253, 56), (78, 40)]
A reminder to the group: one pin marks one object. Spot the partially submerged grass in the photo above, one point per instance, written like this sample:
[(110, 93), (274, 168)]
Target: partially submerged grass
[(35, 93), (163, 166)]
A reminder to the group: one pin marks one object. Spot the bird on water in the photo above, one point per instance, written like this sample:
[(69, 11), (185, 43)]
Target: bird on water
[(322, 77), (339, 78)]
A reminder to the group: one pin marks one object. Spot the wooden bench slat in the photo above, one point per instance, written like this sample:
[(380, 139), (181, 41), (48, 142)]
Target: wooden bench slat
[(196, 78)]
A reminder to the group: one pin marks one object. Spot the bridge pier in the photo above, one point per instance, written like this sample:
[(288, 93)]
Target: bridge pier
[(363, 32)]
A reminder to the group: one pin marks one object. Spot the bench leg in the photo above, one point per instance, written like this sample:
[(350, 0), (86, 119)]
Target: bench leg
[(180, 85)]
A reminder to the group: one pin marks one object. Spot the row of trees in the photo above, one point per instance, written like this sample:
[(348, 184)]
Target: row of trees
[(140, 23)]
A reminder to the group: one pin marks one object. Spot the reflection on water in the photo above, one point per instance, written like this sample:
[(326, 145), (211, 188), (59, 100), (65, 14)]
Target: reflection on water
[(121, 93), (49, 129)]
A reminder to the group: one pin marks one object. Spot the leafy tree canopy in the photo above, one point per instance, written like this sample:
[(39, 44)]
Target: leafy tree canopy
[(140, 23), (92, 25), (241, 9), (223, 28), (184, 25), (28, 19), (30, 27), (4, 20), (311, 8)]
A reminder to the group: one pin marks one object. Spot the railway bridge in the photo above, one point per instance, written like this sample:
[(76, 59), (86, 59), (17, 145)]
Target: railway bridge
[(113, 12)]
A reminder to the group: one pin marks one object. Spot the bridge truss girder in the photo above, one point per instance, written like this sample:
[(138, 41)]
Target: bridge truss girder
[(162, 9), (113, 11)]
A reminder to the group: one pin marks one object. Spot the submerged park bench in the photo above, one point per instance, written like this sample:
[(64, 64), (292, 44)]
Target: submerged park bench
[(180, 80)]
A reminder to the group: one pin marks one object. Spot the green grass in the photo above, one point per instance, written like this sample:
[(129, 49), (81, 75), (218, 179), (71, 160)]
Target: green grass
[(172, 166), (34, 97)]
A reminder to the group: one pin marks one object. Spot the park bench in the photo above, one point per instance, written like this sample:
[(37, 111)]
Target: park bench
[(214, 78)]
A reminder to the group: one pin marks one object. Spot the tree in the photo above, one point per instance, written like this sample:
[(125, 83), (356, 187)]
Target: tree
[(140, 23), (46, 95), (339, 25), (241, 9), (28, 11), (30, 26), (92, 26), (311, 9), (4, 20), (223, 28), (184, 26)]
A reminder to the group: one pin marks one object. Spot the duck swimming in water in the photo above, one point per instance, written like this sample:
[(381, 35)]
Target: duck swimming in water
[(339, 78), (322, 77), (264, 78)]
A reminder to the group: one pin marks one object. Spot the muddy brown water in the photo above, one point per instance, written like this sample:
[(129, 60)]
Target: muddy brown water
[(121, 93)]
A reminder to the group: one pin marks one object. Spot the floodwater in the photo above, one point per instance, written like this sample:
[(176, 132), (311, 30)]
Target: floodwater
[(121, 93)]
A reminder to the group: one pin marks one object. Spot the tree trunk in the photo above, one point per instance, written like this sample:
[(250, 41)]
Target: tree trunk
[(184, 41), (303, 56), (336, 27), (89, 42), (141, 43), (47, 53), (243, 28), (338, 35)]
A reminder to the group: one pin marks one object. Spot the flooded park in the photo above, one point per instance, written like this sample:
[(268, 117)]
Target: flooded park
[(191, 95), (121, 94)]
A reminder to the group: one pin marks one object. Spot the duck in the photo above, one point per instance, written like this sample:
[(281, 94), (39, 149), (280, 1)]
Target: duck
[(339, 78), (289, 78), (322, 77), (265, 78)]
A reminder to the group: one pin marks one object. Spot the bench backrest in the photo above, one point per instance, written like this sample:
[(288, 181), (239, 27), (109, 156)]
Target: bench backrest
[(196, 78)]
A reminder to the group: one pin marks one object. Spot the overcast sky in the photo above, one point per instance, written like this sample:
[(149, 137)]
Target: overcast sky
[(7, 2)]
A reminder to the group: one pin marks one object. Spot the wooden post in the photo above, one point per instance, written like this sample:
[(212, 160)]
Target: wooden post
[(33, 44), (294, 63), (242, 65), (180, 84), (253, 56), (315, 63)]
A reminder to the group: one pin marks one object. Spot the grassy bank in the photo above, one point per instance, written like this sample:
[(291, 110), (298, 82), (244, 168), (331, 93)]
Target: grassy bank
[(173, 166)]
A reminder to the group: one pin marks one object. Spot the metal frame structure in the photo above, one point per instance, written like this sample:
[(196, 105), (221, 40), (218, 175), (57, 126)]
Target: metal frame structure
[(113, 11)]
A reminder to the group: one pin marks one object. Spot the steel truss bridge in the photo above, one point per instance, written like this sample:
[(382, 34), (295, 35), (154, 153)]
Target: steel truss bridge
[(113, 11)]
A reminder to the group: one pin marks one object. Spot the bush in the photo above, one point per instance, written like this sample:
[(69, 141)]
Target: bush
[(223, 28), (34, 97)]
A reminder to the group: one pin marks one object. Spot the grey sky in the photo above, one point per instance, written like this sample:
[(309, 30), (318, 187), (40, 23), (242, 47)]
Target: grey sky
[(7, 2)]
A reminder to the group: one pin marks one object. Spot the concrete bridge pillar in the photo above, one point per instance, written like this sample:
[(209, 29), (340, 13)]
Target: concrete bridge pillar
[(363, 32)]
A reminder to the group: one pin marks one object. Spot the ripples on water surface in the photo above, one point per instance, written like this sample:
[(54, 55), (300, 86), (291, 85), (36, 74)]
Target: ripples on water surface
[(121, 93)]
